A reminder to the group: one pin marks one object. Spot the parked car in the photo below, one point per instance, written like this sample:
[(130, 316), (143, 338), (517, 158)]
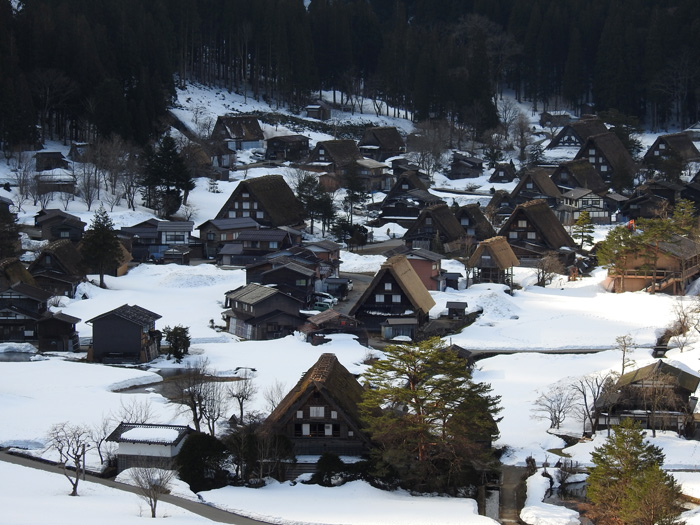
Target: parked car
[(325, 297), (321, 306)]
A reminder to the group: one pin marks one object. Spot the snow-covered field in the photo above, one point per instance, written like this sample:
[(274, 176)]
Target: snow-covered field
[(532, 324)]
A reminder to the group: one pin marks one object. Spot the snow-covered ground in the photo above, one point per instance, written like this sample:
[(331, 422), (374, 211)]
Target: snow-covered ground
[(581, 315)]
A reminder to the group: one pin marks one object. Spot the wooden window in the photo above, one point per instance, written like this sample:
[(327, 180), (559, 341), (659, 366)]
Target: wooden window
[(512, 235), (305, 429), (379, 298), (334, 414), (328, 429), (300, 414), (522, 224), (387, 286), (316, 411), (396, 298), (531, 235)]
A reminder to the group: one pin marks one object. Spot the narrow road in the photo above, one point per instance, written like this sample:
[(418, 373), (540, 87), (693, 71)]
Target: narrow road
[(201, 509), (512, 493)]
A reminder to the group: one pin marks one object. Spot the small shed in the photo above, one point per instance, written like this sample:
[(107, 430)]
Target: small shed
[(399, 327), (148, 445), (318, 110), (456, 309)]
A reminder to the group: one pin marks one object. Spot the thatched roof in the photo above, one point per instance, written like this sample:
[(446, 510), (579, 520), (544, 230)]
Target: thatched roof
[(583, 129), (443, 221), (273, 195), (477, 220), (387, 138), (243, 127), (333, 382), (342, 152), (684, 379), (407, 279), (65, 254), (612, 149), (540, 178), (13, 271), (543, 219), (498, 249), (679, 143), (584, 174)]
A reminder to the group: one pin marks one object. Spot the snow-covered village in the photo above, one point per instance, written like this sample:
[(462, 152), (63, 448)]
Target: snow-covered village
[(278, 302)]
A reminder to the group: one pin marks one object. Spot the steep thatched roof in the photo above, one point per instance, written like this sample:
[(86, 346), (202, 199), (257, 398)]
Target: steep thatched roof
[(684, 379), (387, 138), (584, 174), (443, 221), (407, 279), (543, 219), (584, 128), (335, 384), (477, 220), (342, 152), (498, 249), (679, 143), (273, 195), (64, 254), (612, 149), (242, 127), (540, 178), (13, 271)]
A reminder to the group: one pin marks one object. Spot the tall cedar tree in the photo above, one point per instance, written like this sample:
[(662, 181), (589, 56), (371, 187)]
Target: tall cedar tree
[(167, 181), (178, 338), (583, 229), (654, 233), (626, 484), (431, 422), (100, 247)]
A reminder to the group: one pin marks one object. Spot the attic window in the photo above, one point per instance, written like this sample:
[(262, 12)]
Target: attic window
[(334, 414), (300, 414), (395, 298), (428, 220), (245, 195), (387, 286), (64, 234), (316, 411), (522, 224)]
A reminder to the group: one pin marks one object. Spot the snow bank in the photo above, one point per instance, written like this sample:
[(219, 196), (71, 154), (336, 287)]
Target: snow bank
[(536, 512)]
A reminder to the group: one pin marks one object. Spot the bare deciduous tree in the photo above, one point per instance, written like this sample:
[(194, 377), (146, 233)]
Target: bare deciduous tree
[(555, 404), (243, 390), (98, 436), (215, 404), (274, 394), (87, 183), (134, 411), (190, 390), (658, 395), (626, 345), (151, 484), (71, 442), (547, 267), (588, 390)]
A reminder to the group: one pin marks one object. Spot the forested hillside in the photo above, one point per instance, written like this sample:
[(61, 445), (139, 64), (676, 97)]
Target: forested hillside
[(78, 69)]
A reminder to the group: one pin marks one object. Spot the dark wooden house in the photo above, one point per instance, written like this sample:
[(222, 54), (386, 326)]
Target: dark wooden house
[(257, 312), (253, 245), (396, 302), (125, 335), (287, 147), (267, 199), (500, 207), (214, 233), (58, 268), (334, 156), (288, 277), (502, 173), (533, 230), (554, 119), (535, 183), (607, 154), (329, 254), (57, 224), (25, 317), (474, 222), (658, 395), (381, 143), (49, 160), (577, 174), (329, 322), (492, 262), (436, 229), (318, 110), (405, 200), (238, 132), (576, 133), (677, 145), (320, 414), (465, 167), (581, 199)]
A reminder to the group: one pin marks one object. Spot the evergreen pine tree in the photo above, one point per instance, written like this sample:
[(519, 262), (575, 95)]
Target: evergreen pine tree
[(627, 476), (583, 229), (9, 234), (100, 248)]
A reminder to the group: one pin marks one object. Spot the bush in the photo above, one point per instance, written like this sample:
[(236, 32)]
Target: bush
[(200, 462)]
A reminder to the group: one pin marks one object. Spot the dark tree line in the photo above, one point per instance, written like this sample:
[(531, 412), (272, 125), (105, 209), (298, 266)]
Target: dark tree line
[(79, 69)]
